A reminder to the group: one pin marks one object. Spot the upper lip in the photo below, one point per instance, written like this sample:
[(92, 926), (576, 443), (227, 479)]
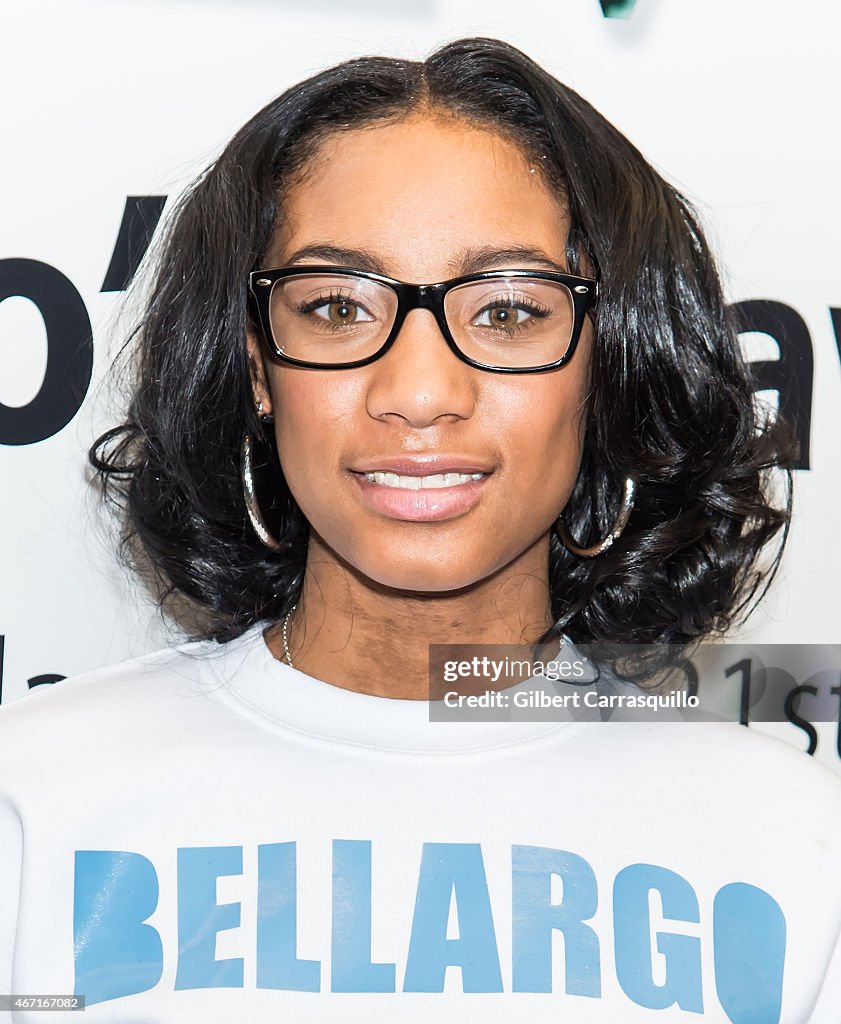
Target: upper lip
[(423, 465)]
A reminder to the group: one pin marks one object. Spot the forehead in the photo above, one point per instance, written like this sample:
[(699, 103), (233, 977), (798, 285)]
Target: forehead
[(417, 192)]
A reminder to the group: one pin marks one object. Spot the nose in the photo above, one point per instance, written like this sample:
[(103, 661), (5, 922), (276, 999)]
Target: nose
[(420, 380)]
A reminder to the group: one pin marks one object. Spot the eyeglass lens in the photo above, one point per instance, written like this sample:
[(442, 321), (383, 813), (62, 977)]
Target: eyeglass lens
[(516, 322)]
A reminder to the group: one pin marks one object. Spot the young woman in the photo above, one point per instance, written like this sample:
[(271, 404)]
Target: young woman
[(432, 356)]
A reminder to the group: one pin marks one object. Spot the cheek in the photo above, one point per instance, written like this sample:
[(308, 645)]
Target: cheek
[(550, 424), (315, 416), (542, 427)]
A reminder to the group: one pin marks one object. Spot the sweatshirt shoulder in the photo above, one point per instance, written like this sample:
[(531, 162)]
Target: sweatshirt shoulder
[(729, 756), (124, 688)]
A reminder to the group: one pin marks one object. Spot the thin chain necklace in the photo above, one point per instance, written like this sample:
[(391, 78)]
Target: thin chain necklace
[(286, 650)]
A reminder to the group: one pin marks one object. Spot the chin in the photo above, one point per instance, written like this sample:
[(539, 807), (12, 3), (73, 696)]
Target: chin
[(428, 572), (420, 562), (423, 576)]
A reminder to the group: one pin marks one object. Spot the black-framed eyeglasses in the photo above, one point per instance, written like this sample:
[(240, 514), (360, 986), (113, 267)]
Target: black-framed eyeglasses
[(508, 321)]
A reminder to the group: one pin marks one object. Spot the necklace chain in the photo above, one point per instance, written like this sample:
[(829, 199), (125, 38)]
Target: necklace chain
[(287, 653)]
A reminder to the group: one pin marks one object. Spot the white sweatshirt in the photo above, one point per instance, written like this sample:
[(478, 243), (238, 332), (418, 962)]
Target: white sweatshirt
[(208, 835)]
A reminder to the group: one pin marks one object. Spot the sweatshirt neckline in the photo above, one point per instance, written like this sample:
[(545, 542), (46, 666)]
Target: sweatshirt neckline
[(300, 703)]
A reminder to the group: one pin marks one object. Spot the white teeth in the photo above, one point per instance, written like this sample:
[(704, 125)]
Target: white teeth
[(415, 483)]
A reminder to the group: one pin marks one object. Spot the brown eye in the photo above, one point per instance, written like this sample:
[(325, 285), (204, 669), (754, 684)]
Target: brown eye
[(342, 312), (503, 316)]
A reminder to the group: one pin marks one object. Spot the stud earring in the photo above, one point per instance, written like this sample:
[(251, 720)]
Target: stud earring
[(265, 417)]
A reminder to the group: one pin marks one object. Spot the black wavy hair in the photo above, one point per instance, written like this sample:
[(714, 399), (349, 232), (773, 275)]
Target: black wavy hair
[(672, 403)]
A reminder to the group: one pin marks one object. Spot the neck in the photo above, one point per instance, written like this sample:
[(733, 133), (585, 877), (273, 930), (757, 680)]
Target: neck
[(350, 631)]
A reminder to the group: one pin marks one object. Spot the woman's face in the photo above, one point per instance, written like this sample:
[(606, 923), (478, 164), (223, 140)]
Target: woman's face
[(426, 199)]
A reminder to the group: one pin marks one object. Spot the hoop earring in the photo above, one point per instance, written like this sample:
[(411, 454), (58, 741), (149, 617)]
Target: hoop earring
[(251, 505), (619, 525)]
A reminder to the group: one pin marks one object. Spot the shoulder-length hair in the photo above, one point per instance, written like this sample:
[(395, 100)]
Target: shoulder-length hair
[(671, 405)]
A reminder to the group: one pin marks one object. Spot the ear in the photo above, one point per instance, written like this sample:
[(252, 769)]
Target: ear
[(257, 370)]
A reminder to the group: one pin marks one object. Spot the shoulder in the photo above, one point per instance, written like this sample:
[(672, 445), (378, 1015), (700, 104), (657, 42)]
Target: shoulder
[(123, 698), (714, 747), (746, 781), (108, 680), (663, 742)]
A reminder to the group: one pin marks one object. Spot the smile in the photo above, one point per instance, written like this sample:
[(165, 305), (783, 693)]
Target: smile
[(421, 499), (416, 483)]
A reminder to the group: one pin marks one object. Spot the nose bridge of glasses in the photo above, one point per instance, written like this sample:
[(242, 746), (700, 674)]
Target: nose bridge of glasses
[(417, 297)]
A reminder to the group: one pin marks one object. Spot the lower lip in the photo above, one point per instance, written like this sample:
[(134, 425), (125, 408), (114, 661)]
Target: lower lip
[(426, 505)]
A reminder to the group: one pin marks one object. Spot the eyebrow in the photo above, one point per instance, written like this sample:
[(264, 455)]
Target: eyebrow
[(468, 261), (360, 259), (474, 261)]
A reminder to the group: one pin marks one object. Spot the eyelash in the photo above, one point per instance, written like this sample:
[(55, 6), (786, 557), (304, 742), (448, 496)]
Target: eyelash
[(323, 300)]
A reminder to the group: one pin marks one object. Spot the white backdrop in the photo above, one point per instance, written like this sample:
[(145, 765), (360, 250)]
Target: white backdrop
[(736, 103)]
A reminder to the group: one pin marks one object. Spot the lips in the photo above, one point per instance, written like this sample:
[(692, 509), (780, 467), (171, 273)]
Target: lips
[(421, 488)]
